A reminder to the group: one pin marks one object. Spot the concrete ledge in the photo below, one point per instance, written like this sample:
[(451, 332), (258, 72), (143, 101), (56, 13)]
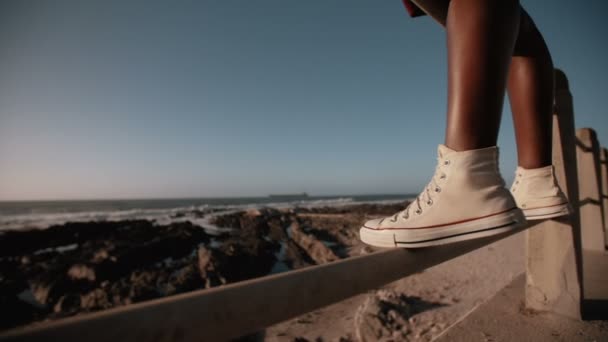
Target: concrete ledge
[(504, 318), (590, 190), (595, 285), (553, 250), (604, 196)]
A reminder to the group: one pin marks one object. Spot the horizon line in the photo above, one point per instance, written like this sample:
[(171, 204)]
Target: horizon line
[(188, 198)]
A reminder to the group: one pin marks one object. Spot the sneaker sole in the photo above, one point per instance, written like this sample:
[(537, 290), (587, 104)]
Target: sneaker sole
[(426, 237), (547, 212)]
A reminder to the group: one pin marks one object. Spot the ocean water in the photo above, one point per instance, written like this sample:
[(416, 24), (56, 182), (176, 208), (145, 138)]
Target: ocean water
[(43, 214)]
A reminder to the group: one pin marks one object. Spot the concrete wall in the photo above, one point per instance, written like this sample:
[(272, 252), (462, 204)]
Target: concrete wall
[(589, 183), (553, 279), (604, 195)]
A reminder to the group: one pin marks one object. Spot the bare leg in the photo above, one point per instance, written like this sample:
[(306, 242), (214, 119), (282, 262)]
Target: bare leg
[(531, 95), (481, 36), (530, 86)]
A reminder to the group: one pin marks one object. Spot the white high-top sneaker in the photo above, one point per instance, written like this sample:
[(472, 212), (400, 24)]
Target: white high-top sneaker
[(466, 199), (537, 194)]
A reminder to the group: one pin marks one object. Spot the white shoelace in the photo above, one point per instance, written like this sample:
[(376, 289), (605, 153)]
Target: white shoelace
[(426, 196)]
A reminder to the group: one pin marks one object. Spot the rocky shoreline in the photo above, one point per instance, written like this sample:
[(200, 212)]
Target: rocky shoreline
[(73, 268)]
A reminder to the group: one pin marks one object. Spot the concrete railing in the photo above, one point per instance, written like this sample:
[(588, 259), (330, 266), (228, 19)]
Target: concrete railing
[(554, 268), (604, 195), (567, 265)]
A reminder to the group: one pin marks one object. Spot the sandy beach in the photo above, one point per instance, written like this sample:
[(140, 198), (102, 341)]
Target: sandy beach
[(419, 307)]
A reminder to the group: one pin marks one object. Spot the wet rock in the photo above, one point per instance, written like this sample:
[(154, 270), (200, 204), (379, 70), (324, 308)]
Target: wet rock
[(88, 266), (364, 208), (253, 213), (101, 255), (48, 289), (67, 304), (313, 247), (204, 262), (207, 269), (296, 257), (21, 242), (244, 258), (81, 272), (277, 226), (127, 257), (184, 279), (253, 221), (143, 286), (40, 292), (95, 300)]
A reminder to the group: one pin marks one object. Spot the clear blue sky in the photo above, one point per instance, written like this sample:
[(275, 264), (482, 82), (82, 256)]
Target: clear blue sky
[(136, 99)]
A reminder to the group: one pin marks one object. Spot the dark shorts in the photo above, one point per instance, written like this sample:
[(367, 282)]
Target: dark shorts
[(412, 9)]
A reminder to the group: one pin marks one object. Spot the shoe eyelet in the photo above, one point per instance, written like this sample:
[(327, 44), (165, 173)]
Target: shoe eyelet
[(393, 220), (516, 182), (437, 189), (418, 211), (429, 202), (443, 176), (446, 162)]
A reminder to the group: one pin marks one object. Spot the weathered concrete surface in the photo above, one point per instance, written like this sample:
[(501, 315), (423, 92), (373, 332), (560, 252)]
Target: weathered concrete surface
[(595, 281), (504, 318), (604, 180), (552, 246), (431, 300), (589, 186)]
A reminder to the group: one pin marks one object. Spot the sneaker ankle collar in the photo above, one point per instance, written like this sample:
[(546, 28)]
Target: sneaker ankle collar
[(541, 171), (444, 151)]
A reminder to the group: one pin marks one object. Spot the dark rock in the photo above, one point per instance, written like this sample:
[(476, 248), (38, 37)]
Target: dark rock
[(313, 247), (95, 300), (102, 255), (88, 266), (26, 241), (48, 289), (68, 303), (143, 286), (81, 272), (207, 269), (244, 258), (184, 279), (364, 208), (254, 221), (277, 226), (17, 312), (296, 257)]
